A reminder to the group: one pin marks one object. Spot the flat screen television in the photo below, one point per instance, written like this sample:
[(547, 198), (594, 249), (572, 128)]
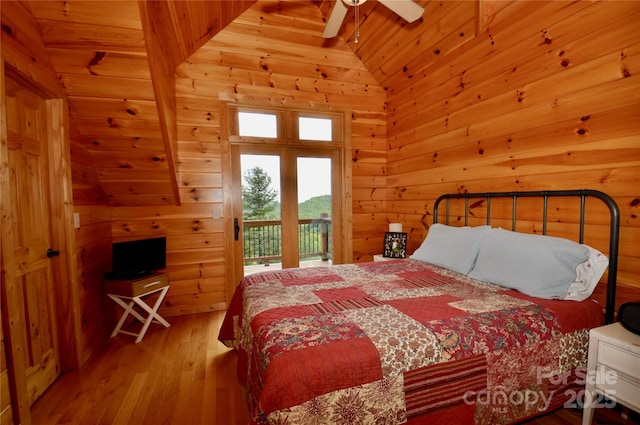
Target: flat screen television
[(133, 259)]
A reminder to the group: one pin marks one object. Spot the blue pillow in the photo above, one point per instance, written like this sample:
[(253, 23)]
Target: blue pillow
[(536, 265), (454, 248)]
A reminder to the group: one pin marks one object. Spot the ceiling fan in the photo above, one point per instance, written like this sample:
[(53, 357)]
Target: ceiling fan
[(406, 9)]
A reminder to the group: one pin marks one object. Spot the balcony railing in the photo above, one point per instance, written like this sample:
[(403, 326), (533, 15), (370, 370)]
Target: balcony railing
[(263, 240)]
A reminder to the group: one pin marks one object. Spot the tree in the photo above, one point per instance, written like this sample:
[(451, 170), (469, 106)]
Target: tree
[(258, 199)]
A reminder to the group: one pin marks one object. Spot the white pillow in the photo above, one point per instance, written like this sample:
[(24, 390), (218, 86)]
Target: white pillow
[(588, 275), (536, 265), (454, 248)]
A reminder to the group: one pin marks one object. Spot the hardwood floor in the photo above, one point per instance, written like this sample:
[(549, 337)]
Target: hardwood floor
[(177, 375)]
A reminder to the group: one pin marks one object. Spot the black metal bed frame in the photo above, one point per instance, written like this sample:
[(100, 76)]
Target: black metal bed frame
[(614, 229)]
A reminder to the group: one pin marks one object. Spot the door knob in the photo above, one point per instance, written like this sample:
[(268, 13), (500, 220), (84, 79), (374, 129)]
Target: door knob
[(52, 253)]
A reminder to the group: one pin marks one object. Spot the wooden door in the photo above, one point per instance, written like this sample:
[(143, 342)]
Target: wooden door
[(29, 192)]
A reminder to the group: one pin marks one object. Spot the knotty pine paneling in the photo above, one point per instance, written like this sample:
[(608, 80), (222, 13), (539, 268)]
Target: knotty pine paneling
[(545, 97), (149, 159), (121, 145), (116, 62), (93, 253), (92, 107), (195, 251), (453, 29), (86, 186), (103, 64), (103, 55), (125, 15), (192, 23), (19, 38)]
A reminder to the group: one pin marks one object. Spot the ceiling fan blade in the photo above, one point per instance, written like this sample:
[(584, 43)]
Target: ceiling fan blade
[(334, 23), (407, 9)]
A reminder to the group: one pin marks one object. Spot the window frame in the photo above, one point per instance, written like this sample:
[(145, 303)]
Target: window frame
[(287, 126)]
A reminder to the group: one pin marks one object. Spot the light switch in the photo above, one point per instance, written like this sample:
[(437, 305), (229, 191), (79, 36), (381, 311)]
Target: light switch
[(217, 211), (76, 220)]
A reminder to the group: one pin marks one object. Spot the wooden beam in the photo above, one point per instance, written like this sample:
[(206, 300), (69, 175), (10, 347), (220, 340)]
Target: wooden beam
[(163, 78)]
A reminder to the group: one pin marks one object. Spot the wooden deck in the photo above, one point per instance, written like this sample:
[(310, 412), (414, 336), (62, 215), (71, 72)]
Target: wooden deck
[(278, 266)]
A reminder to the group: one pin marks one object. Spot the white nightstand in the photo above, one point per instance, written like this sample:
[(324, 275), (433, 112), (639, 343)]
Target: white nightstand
[(613, 368), (380, 257)]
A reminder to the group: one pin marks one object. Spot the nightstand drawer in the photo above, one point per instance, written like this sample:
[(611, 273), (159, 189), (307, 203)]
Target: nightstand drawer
[(137, 287), (619, 359), (621, 388)]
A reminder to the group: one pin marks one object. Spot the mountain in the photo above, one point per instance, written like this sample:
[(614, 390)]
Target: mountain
[(313, 207)]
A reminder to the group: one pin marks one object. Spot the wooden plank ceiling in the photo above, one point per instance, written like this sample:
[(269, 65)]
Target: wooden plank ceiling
[(116, 59)]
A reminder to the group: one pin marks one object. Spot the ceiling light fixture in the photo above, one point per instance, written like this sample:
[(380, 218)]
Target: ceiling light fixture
[(406, 9), (356, 4)]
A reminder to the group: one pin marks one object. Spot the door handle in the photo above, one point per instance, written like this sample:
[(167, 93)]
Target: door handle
[(52, 253), (236, 228)]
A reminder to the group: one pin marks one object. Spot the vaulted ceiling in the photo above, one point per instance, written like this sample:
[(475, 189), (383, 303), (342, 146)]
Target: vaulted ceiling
[(117, 59)]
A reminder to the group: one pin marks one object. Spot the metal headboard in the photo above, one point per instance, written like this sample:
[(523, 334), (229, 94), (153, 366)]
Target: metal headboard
[(614, 229)]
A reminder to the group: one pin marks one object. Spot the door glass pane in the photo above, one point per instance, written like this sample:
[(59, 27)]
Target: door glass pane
[(314, 129), (261, 209), (253, 124), (314, 209)]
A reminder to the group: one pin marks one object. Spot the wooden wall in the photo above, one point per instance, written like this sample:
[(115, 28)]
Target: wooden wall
[(546, 96), (234, 67), (93, 252)]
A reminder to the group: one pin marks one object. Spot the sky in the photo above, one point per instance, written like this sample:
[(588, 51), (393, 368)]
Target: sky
[(314, 174)]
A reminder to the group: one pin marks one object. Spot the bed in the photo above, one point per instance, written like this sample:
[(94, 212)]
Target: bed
[(480, 325)]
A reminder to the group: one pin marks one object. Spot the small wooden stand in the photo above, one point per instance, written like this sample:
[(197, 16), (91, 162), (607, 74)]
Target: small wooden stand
[(134, 291)]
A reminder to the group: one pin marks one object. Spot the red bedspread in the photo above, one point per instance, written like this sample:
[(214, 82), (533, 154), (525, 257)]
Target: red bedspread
[(392, 341)]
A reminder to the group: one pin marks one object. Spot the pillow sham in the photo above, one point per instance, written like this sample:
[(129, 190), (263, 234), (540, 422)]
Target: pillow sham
[(454, 248), (536, 265), (588, 275)]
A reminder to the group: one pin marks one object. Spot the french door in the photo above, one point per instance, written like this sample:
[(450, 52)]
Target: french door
[(300, 140), (297, 174)]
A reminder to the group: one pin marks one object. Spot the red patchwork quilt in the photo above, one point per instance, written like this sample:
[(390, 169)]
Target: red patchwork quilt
[(402, 341)]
